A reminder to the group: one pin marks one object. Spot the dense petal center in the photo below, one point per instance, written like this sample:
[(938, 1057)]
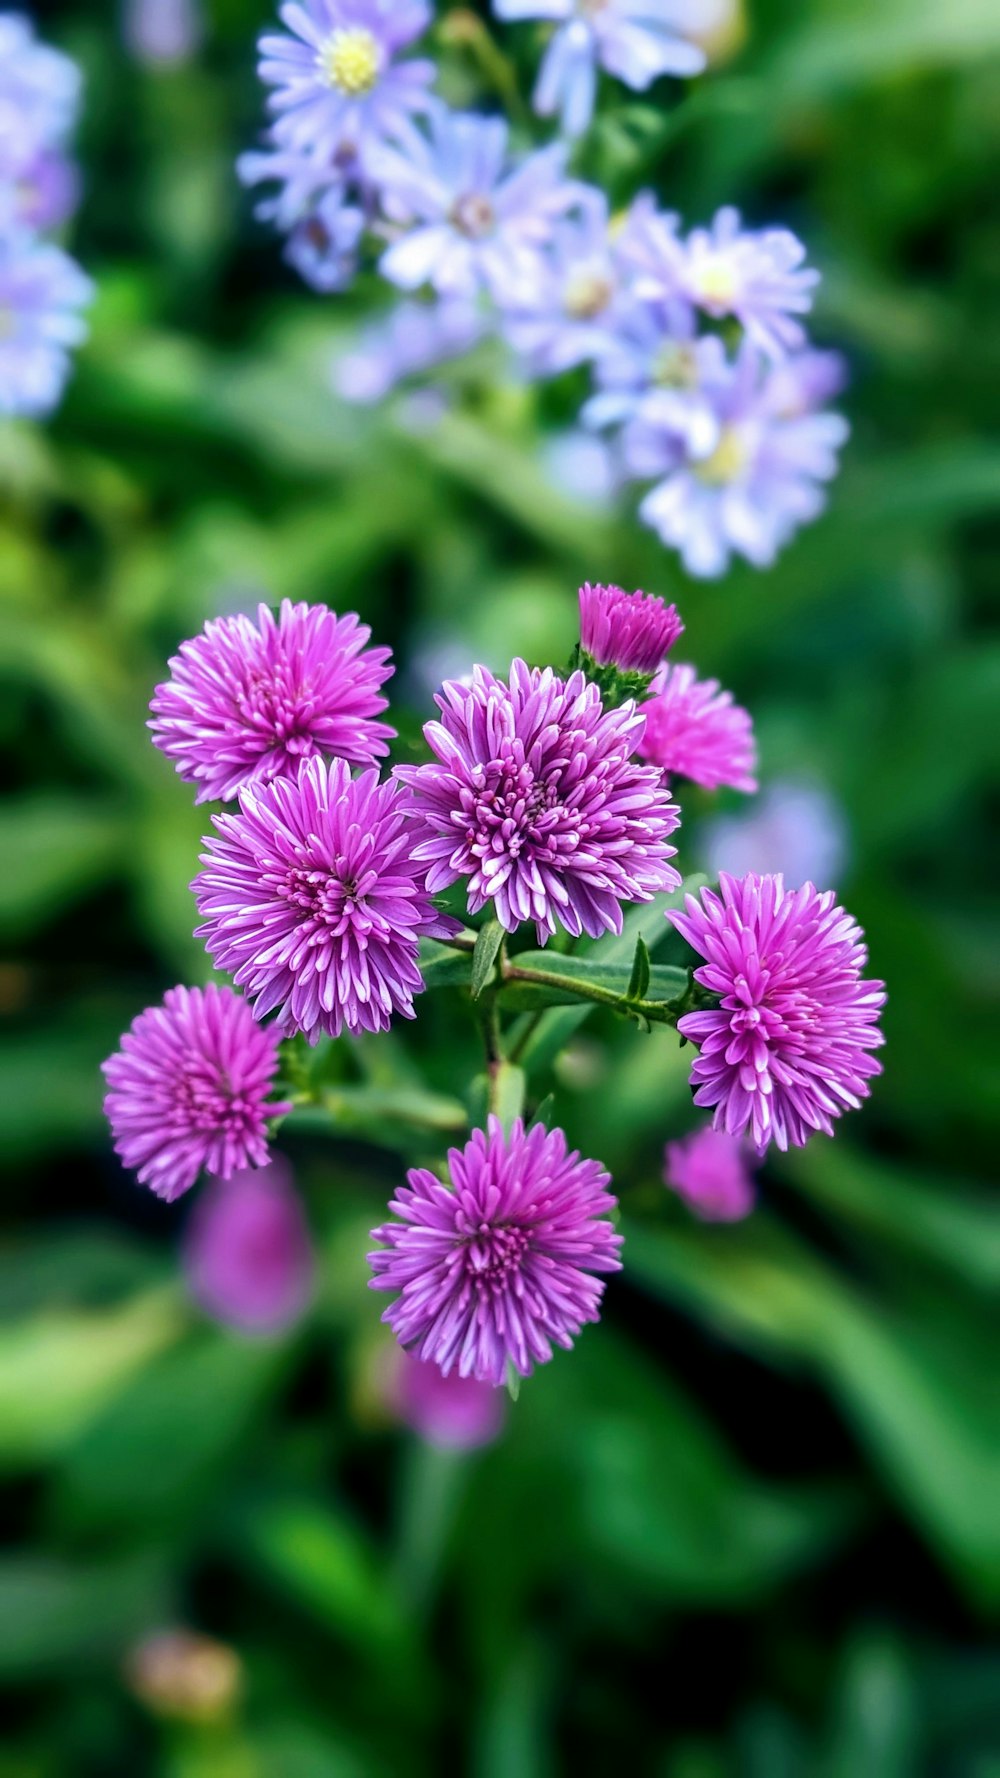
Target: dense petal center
[(350, 61)]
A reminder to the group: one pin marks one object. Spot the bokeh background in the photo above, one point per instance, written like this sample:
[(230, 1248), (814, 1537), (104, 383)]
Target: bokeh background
[(751, 1529)]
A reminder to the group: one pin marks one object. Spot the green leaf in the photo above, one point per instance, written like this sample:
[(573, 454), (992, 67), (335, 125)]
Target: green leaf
[(491, 937), (442, 967), (513, 1381), (377, 1113), (507, 1093), (638, 987)]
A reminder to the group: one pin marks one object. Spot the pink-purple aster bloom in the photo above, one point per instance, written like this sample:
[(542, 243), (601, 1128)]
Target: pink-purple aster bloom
[(499, 1266), (695, 730), (786, 1051), (340, 89), (311, 899), (536, 800), (248, 1256), (760, 480), (42, 293), (713, 1174), (247, 701), (631, 631), (477, 221), (635, 40), (188, 1090), (453, 1413)]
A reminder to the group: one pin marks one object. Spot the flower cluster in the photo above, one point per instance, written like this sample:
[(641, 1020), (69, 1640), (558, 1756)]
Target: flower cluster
[(704, 382), (547, 799), (42, 290)]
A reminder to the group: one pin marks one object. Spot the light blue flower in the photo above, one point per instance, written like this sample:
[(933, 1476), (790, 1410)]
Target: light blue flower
[(39, 95), (414, 337), (635, 40), (339, 88), (324, 246), (42, 292), (572, 313), (476, 220)]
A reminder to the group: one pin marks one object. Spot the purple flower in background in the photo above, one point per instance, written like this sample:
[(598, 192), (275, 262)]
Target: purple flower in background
[(786, 1050), (537, 801), (312, 901), (477, 221), (631, 631), (794, 827), (712, 1173), (761, 480), (654, 369), (694, 730), (42, 196), (498, 1267), (580, 467), (42, 292), (163, 33), (188, 1090), (569, 314), (412, 338), (339, 90), (323, 247), (635, 40), (248, 1256), (454, 1413), (756, 275), (39, 95), (301, 184), (247, 701)]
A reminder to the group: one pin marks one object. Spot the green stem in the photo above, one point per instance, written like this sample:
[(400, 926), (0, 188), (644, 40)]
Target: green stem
[(657, 1012)]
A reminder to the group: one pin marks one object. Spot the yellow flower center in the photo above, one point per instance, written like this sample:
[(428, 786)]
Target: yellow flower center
[(714, 282), (728, 460), (675, 367), (351, 61), (587, 294)]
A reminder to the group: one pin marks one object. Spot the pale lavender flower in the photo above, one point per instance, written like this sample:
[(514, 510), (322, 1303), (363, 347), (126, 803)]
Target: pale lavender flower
[(477, 220), (247, 701), (655, 369), (248, 1257), (323, 247), (630, 631), (311, 899), (786, 1050), (537, 802), (570, 315), (695, 730), (635, 40), (497, 1267), (43, 194), (755, 275), (412, 338), (794, 827), (760, 482), (581, 467), (163, 33), (340, 91), (300, 180), (188, 1090), (713, 1173), (42, 292), (39, 95), (453, 1413)]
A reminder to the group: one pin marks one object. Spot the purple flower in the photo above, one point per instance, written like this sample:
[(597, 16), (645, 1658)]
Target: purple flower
[(247, 701), (712, 1173), (786, 1050), (762, 478), (412, 338), (248, 1256), (794, 827), (694, 730), (43, 195), (312, 901), (42, 292), (454, 1413), (39, 94), (569, 314), (476, 220), (163, 33), (756, 275), (635, 40), (498, 1267), (538, 802), (630, 631), (188, 1090), (300, 180), (339, 90), (323, 247)]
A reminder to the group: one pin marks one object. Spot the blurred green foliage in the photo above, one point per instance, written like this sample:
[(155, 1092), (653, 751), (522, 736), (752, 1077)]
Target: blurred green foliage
[(751, 1528)]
